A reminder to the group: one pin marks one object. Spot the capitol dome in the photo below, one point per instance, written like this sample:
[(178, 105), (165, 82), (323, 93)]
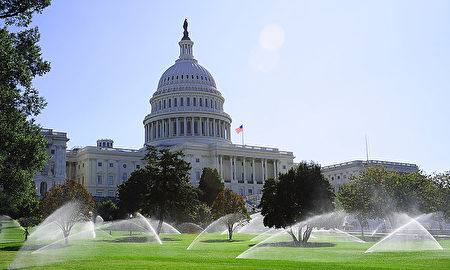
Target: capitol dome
[(186, 107)]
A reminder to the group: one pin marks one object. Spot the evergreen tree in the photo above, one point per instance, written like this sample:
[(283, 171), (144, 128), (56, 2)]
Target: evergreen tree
[(210, 185)]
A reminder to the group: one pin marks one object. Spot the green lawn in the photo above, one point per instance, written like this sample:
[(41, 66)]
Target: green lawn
[(122, 251)]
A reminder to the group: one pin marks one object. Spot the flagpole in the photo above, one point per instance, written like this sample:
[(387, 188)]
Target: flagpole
[(242, 136)]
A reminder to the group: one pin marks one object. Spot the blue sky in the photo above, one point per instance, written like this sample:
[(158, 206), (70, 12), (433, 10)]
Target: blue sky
[(312, 77)]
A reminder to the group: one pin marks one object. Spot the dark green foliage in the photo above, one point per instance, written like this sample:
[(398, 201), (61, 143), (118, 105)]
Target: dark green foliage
[(22, 146), (161, 188), (108, 210), (210, 185), (20, 12), (298, 194)]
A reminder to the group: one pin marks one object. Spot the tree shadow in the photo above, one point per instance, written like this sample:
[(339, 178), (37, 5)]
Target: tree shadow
[(131, 239), (169, 239), (10, 248), (220, 241), (303, 245)]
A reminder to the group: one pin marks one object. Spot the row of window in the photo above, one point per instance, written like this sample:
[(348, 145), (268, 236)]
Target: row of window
[(187, 77), (111, 193), (100, 164), (187, 101), (110, 179)]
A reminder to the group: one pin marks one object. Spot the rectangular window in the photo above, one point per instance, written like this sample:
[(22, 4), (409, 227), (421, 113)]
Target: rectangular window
[(164, 104), (111, 165), (99, 164), (188, 102), (181, 102), (52, 151), (211, 103), (194, 102), (197, 160), (170, 102), (110, 193), (250, 191), (124, 177), (200, 101), (138, 166), (159, 105), (197, 176), (284, 167), (206, 102), (111, 180), (99, 179), (99, 194), (175, 102)]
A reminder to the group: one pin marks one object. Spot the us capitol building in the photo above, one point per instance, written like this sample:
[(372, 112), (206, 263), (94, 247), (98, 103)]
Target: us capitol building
[(186, 115)]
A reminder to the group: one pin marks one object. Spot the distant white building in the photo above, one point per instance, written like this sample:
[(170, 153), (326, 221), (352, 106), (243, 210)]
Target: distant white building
[(54, 172), (338, 174)]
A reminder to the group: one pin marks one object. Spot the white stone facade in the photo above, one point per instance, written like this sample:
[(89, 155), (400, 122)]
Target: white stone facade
[(54, 172), (102, 169), (339, 174)]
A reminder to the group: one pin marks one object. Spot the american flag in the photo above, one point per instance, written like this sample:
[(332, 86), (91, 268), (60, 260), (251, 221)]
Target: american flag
[(240, 129)]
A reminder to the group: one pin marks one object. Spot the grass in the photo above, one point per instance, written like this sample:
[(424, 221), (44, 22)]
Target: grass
[(122, 251)]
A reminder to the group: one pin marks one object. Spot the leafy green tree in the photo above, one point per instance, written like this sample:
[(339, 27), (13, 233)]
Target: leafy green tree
[(441, 197), (59, 195), (210, 185), (163, 185), (300, 193), (22, 146), (131, 193), (108, 210), (354, 200), (231, 208), (76, 197)]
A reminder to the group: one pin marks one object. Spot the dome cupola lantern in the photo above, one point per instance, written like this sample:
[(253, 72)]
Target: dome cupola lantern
[(186, 44)]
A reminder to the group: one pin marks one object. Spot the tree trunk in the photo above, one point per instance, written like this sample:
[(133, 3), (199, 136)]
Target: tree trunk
[(158, 230), (361, 223), (307, 234), (293, 236), (66, 237), (230, 233)]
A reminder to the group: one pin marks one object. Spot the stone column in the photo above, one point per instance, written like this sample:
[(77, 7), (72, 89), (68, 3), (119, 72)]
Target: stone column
[(245, 171), (185, 127), (253, 170), (262, 169), (200, 130), (207, 126), (231, 168), (234, 167), (265, 169), (221, 167), (178, 127), (223, 129), (170, 127), (192, 126)]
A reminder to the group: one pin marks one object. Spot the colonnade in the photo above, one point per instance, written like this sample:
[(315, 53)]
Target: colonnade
[(233, 172), (187, 126)]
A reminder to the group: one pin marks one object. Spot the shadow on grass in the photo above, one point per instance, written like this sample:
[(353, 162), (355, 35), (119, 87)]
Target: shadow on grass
[(11, 248), (131, 239), (292, 244), (169, 239), (220, 241)]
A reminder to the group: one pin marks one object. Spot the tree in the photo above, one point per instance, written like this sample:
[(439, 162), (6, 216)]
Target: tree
[(131, 193), (163, 185), (72, 195), (354, 200), (441, 197), (22, 146), (210, 185), (108, 210), (379, 193), (231, 208), (300, 193)]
